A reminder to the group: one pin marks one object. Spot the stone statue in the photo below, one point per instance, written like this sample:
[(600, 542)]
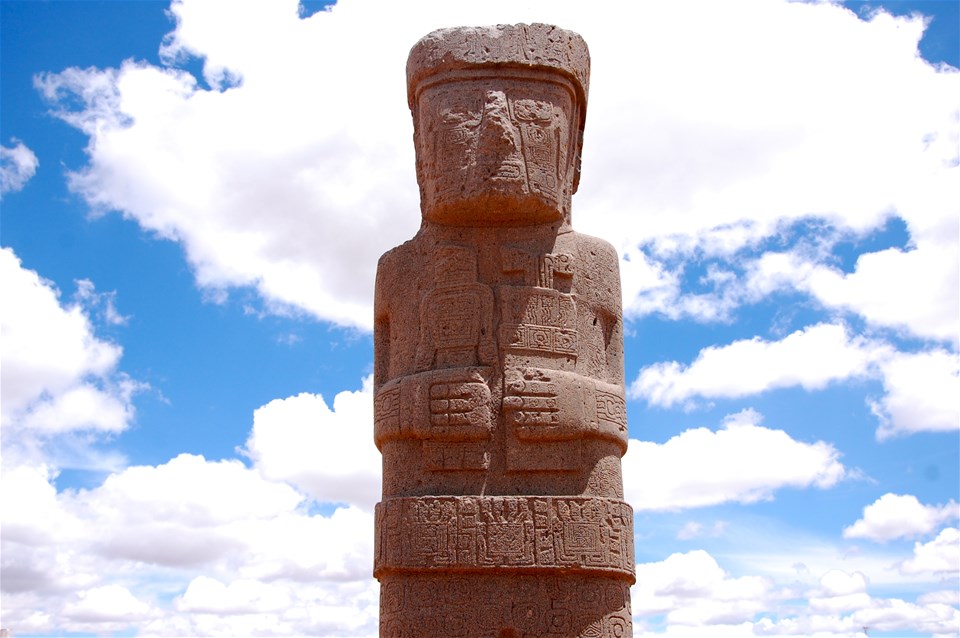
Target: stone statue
[(499, 405)]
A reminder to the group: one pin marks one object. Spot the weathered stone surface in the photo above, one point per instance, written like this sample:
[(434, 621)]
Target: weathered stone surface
[(499, 395)]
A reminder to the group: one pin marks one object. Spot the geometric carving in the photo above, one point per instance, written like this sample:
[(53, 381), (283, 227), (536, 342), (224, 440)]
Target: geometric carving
[(447, 456), (531, 399), (518, 336), (457, 403), (386, 412), (497, 533), (556, 270), (551, 607), (456, 314), (538, 307), (612, 410), (446, 404)]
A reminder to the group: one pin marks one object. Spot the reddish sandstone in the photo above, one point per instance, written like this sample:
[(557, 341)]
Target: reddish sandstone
[(499, 405)]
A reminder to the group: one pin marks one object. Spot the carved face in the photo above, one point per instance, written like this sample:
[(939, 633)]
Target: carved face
[(496, 150)]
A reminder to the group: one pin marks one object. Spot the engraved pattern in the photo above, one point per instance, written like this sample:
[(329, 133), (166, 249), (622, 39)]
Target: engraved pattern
[(439, 456), (612, 409), (456, 315), (541, 338), (531, 399), (453, 404), (417, 605), (440, 405), (505, 532), (386, 412), (551, 266), (540, 145)]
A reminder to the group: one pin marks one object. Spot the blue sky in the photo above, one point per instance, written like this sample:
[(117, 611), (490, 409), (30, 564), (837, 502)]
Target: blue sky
[(194, 200)]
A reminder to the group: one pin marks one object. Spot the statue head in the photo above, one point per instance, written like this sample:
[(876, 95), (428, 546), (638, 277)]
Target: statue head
[(498, 115)]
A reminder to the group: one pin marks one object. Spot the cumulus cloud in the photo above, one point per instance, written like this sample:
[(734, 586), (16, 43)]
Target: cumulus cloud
[(920, 387), (105, 604), (900, 516), (17, 165), (880, 615), (724, 466), (921, 393), (917, 291), (208, 595), (228, 544), (692, 589), (939, 556), (687, 595), (839, 592), (810, 358), (285, 175), (329, 454), (58, 377)]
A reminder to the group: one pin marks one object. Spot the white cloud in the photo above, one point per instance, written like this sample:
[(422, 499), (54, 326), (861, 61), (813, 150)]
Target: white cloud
[(690, 530), (208, 595), (922, 391), (327, 453), (699, 467), (900, 516), (915, 290), (694, 529), (232, 549), (921, 388), (31, 513), (811, 358), (106, 603), (190, 491), (939, 556), (879, 615), (57, 376), (839, 592), (103, 303), (292, 177), (692, 589), (214, 608), (688, 595), (17, 165)]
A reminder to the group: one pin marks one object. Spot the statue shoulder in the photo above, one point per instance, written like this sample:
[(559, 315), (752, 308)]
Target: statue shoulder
[(595, 248), (398, 272), (399, 259)]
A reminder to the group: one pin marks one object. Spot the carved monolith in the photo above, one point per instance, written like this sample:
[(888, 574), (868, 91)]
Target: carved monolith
[(499, 396)]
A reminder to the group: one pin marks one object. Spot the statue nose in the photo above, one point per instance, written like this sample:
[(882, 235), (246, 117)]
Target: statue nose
[(498, 147)]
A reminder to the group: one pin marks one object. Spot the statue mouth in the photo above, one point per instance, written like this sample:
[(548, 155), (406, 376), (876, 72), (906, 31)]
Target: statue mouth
[(500, 203)]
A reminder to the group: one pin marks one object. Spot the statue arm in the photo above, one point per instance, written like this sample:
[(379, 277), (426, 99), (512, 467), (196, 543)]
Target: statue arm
[(610, 312), (382, 315)]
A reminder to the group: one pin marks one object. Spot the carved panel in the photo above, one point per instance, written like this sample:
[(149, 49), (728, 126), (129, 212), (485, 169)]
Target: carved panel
[(386, 412), (545, 339), (440, 456), (612, 410), (456, 316), (427, 605), (505, 532), (556, 271), (450, 404)]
